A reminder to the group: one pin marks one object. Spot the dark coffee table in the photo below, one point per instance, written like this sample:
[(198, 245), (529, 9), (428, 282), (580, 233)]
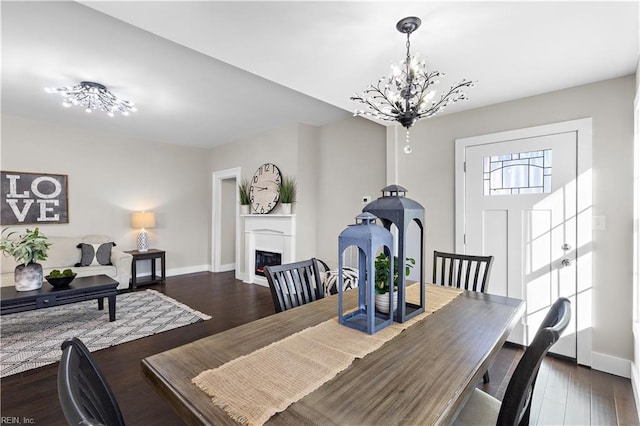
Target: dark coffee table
[(80, 289)]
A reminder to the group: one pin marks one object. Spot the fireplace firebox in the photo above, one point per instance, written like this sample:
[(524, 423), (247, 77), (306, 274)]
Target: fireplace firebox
[(266, 258)]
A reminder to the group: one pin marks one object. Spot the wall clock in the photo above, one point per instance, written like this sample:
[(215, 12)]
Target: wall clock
[(264, 191)]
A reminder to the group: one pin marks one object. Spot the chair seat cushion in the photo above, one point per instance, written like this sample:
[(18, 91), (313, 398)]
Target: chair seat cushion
[(481, 409)]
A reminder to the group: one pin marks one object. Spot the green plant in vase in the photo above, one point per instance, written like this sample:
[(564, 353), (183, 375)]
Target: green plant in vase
[(27, 250), (382, 271), (287, 193), (245, 197)]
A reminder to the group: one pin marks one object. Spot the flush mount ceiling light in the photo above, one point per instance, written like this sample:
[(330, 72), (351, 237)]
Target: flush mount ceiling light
[(93, 96), (406, 95)]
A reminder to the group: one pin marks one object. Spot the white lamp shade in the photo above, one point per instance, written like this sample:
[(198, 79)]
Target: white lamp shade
[(143, 220)]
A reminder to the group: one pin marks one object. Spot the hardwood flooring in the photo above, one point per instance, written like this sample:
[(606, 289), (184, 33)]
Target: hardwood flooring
[(565, 393)]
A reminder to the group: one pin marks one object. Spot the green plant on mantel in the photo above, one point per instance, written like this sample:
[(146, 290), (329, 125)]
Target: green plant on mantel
[(243, 188), (25, 249), (382, 267), (288, 190)]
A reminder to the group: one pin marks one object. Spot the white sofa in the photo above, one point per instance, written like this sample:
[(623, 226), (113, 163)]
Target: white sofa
[(64, 253)]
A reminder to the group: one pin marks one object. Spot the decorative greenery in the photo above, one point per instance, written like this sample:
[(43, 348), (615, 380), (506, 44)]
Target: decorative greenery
[(57, 274), (382, 272), (243, 187), (288, 190), (25, 249)]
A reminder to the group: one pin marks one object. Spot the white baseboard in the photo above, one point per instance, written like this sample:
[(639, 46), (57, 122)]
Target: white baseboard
[(611, 364), (635, 385), (187, 270), (227, 267)]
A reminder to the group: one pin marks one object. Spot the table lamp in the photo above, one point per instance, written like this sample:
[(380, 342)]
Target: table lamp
[(143, 220)]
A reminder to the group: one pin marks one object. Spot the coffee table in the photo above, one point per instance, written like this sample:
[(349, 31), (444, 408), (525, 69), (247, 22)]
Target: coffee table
[(80, 289)]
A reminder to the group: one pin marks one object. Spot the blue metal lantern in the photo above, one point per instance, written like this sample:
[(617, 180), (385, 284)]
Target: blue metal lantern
[(369, 238), (395, 208)]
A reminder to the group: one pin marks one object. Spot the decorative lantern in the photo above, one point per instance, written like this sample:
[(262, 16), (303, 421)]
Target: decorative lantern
[(395, 208), (369, 238)]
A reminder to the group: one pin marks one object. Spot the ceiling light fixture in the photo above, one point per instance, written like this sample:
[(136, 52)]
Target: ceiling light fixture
[(406, 95), (93, 96)]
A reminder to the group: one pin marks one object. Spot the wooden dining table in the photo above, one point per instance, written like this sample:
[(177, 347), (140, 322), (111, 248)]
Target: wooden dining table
[(423, 376)]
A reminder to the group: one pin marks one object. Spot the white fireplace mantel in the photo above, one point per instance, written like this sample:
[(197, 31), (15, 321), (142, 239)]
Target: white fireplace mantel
[(269, 232)]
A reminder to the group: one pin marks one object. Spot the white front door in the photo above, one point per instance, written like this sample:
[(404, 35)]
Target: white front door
[(519, 200)]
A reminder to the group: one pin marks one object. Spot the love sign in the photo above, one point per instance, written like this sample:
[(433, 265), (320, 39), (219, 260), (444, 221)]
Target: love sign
[(31, 198)]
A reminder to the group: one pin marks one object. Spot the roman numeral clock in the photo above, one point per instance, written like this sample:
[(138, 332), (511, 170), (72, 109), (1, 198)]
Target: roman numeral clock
[(264, 191)]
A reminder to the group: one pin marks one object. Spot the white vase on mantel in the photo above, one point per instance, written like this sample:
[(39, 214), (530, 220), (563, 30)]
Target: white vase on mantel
[(245, 208), (286, 208)]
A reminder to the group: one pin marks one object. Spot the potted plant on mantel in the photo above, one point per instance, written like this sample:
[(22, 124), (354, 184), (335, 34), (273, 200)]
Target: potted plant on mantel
[(287, 193), (27, 250), (382, 280), (245, 197)]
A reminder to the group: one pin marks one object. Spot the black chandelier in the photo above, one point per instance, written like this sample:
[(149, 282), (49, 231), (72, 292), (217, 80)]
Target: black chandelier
[(93, 96), (405, 95)]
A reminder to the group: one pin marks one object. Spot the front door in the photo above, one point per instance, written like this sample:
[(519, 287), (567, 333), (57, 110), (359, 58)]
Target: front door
[(520, 198)]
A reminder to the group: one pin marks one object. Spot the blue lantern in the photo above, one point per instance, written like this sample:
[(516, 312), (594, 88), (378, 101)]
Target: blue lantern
[(395, 208), (368, 237)]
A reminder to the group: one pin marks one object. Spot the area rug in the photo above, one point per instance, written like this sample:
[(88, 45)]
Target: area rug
[(32, 339)]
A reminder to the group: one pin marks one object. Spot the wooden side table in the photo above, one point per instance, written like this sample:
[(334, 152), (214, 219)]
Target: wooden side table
[(151, 254)]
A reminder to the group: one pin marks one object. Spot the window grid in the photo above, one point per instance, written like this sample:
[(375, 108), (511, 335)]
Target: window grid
[(518, 173)]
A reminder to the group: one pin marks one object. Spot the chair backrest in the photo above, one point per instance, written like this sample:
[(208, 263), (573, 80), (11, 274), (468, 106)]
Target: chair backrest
[(84, 394), (461, 270), (294, 284), (516, 405)]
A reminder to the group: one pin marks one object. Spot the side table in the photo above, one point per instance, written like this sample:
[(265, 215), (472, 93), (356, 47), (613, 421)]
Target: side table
[(151, 254)]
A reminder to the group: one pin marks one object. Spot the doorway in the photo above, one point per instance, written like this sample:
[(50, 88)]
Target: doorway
[(524, 196), (225, 226)]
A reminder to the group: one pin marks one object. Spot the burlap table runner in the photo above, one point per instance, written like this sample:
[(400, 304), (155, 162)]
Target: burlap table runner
[(253, 387)]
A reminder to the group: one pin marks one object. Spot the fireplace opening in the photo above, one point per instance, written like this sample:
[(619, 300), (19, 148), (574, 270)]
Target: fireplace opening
[(266, 258)]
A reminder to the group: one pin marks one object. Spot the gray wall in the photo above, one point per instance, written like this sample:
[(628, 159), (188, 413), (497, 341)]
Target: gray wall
[(428, 173), (110, 176)]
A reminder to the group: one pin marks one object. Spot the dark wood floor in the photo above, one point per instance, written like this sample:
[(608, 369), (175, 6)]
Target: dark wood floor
[(565, 393)]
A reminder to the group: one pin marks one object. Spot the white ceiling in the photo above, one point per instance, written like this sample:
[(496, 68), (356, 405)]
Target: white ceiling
[(206, 73)]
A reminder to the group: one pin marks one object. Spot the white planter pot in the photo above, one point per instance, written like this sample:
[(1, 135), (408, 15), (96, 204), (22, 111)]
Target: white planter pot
[(286, 208), (245, 208), (382, 303), (28, 277)]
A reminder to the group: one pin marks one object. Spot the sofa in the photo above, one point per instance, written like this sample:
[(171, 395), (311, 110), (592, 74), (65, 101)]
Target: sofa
[(64, 253)]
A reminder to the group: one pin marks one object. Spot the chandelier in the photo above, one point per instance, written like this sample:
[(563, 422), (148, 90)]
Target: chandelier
[(93, 96), (406, 95)]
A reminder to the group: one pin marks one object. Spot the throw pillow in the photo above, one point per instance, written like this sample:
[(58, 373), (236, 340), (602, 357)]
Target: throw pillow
[(95, 254)]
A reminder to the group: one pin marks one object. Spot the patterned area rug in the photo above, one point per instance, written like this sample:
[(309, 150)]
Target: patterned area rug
[(32, 339)]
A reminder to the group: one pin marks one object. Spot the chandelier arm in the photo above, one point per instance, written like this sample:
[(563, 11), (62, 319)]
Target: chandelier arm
[(445, 99)]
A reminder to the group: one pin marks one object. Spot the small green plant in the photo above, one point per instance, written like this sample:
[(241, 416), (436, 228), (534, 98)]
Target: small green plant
[(382, 267), (288, 190), (25, 249), (57, 274), (243, 188)]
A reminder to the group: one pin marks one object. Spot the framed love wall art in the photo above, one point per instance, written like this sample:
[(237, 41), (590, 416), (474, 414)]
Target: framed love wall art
[(33, 198)]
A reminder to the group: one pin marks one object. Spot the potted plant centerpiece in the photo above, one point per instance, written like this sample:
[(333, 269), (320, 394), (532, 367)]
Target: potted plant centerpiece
[(245, 197), (287, 193), (382, 267), (27, 250)]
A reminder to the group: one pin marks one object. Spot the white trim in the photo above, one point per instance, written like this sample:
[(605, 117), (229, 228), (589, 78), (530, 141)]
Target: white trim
[(188, 270), (216, 214), (227, 267), (635, 373), (611, 364), (584, 132)]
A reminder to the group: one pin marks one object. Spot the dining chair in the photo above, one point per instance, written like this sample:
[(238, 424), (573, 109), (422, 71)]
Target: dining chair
[(462, 271), (84, 394), (294, 284), (515, 409)]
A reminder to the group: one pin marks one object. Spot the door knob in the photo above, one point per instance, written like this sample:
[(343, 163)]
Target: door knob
[(566, 262)]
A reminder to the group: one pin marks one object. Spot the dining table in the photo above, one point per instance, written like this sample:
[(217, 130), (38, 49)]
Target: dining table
[(422, 376)]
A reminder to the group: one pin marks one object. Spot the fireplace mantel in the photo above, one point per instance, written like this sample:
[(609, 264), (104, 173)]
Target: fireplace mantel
[(269, 232)]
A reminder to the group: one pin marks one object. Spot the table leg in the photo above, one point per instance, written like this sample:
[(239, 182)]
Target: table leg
[(133, 273), (100, 303), (112, 308), (153, 269), (164, 269)]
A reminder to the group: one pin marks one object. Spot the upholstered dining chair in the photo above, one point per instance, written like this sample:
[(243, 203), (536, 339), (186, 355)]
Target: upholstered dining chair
[(84, 394), (462, 271), (294, 284), (515, 409)]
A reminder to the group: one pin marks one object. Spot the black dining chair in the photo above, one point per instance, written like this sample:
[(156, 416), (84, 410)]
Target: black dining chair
[(515, 408), (462, 271), (84, 394), (294, 284)]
